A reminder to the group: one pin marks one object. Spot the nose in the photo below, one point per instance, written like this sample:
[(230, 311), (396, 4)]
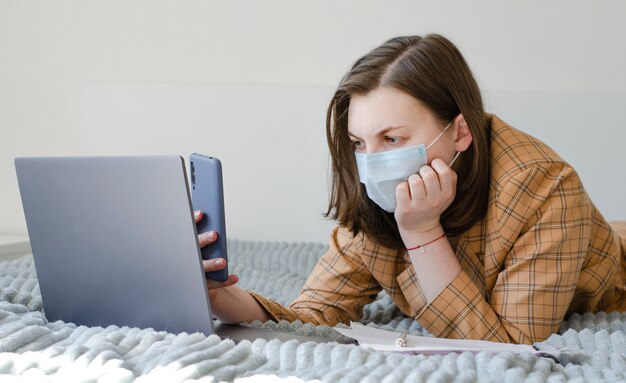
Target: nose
[(374, 148)]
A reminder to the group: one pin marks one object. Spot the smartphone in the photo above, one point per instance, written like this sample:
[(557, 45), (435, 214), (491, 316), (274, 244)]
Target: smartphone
[(207, 195)]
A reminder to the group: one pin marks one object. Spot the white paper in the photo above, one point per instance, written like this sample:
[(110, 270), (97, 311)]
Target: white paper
[(383, 340)]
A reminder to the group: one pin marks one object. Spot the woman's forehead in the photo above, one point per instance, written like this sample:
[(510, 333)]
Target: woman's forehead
[(385, 108)]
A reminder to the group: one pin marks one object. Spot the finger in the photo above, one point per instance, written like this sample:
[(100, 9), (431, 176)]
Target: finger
[(431, 181), (447, 176), (232, 279), (416, 184), (213, 264), (207, 238), (197, 215), (403, 195)]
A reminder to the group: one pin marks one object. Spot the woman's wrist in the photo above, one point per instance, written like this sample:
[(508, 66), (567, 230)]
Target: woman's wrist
[(235, 305), (423, 245), (417, 239), (433, 260)]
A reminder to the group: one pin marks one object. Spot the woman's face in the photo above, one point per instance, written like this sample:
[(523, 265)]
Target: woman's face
[(387, 119)]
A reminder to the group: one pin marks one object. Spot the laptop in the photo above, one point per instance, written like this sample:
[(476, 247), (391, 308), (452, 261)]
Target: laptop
[(114, 242)]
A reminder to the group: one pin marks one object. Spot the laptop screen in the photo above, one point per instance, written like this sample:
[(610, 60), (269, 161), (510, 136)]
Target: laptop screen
[(114, 241)]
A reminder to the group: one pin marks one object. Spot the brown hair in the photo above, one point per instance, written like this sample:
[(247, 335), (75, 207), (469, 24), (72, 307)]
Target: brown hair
[(432, 70)]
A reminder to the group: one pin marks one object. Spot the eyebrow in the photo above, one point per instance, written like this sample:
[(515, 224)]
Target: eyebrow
[(384, 131)]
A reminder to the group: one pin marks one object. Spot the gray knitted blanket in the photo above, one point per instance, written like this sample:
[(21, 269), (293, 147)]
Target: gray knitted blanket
[(591, 347)]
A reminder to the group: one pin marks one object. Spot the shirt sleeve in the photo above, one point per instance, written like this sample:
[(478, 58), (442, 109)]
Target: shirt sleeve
[(543, 219), (337, 289)]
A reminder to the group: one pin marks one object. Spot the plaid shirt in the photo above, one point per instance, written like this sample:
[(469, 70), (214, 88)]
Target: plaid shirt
[(541, 252)]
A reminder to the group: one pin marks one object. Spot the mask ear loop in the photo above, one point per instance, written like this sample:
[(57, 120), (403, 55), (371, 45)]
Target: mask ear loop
[(454, 159), (439, 136)]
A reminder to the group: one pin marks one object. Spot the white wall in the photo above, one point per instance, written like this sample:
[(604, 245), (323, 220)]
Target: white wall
[(153, 76)]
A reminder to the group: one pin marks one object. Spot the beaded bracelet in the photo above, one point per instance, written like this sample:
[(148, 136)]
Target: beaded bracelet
[(425, 244)]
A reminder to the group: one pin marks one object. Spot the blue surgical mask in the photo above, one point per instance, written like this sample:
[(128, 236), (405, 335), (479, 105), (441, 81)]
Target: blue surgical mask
[(382, 172)]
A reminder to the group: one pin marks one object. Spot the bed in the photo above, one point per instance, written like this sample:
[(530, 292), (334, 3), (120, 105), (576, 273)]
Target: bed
[(591, 347)]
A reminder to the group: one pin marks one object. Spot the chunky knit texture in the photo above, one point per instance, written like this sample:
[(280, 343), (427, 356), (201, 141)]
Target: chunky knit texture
[(591, 347)]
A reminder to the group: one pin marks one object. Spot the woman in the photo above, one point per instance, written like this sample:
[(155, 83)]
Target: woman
[(472, 227)]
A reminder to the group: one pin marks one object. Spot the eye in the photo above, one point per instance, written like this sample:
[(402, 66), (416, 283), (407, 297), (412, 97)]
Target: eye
[(356, 144), (392, 140)]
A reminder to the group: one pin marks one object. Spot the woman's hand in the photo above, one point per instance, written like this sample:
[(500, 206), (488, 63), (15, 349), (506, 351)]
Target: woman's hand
[(216, 264), (423, 198), (229, 303), (421, 201)]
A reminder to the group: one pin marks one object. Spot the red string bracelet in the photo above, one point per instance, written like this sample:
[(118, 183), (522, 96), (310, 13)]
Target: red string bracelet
[(426, 244)]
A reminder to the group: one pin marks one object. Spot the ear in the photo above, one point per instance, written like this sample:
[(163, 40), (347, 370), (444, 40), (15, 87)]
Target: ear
[(463, 135)]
